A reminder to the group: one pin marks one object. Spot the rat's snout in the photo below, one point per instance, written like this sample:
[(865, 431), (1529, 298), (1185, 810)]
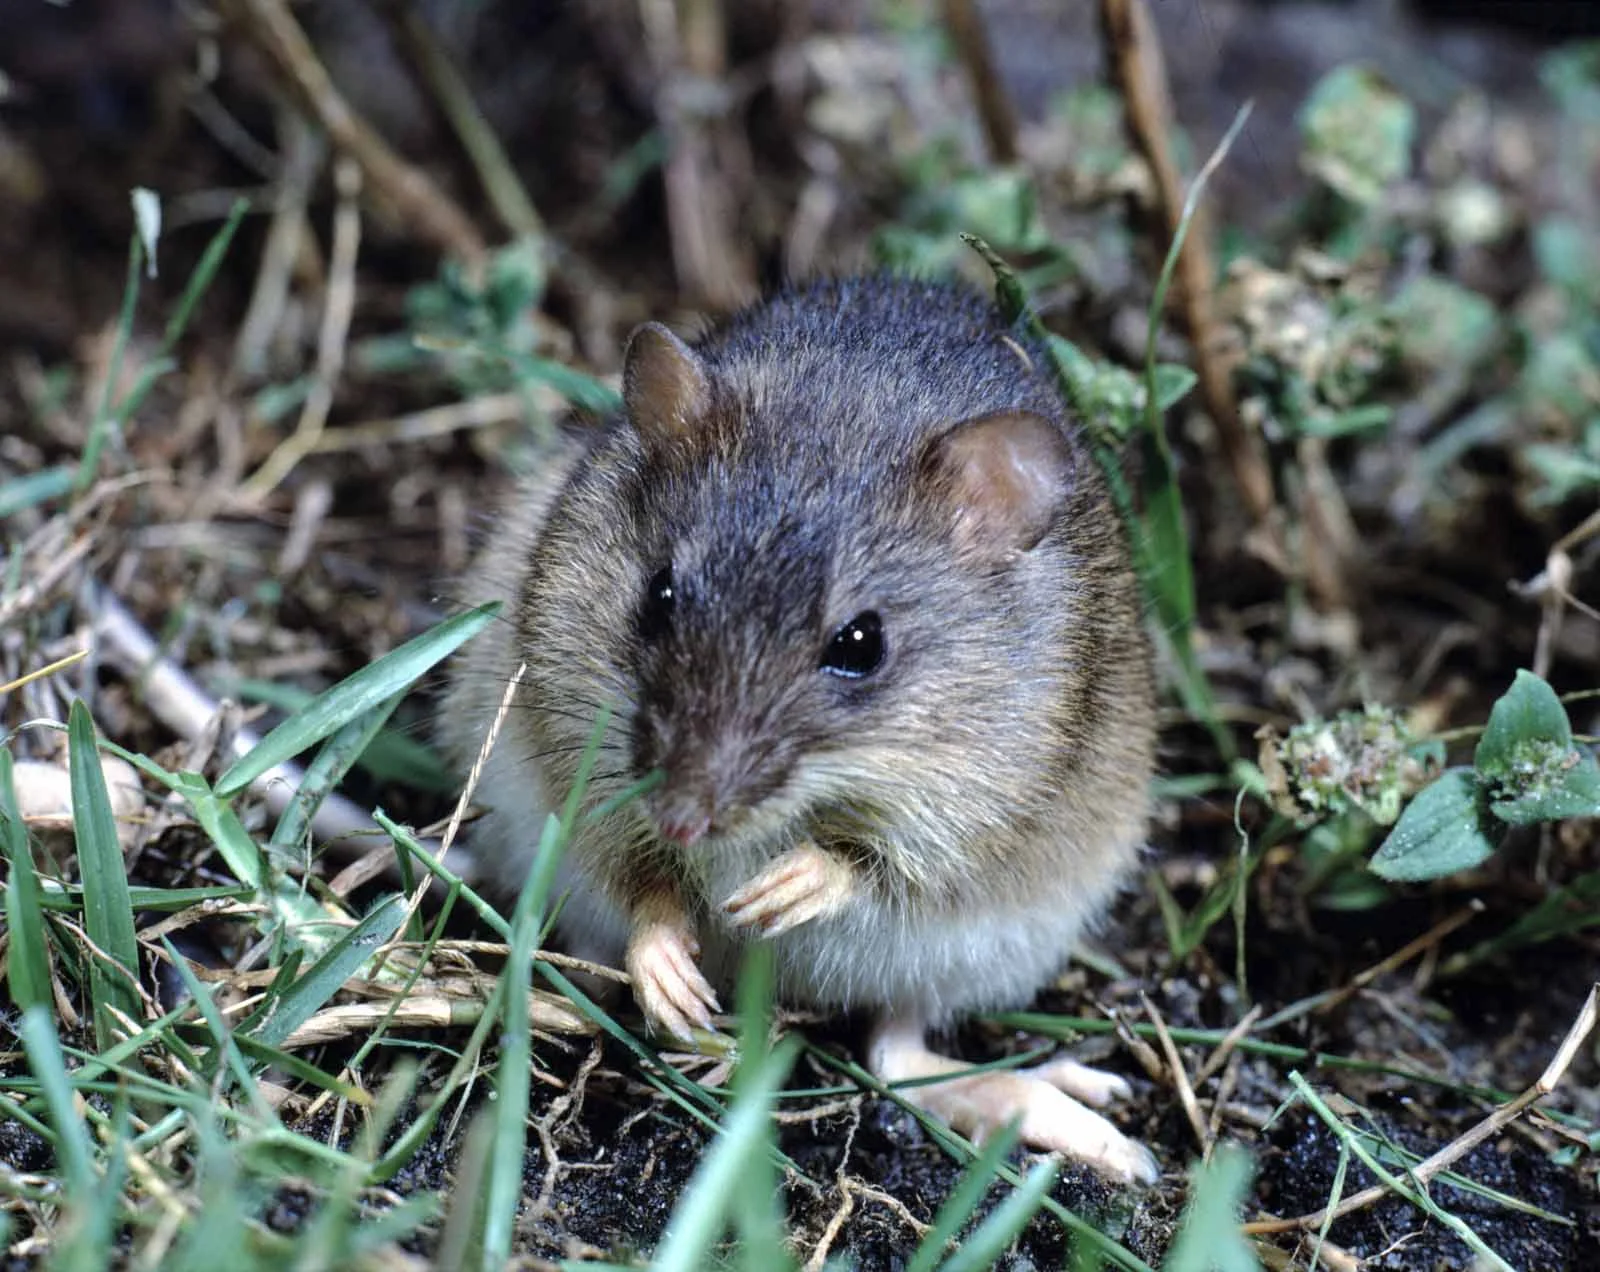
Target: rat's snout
[(710, 784), (684, 821)]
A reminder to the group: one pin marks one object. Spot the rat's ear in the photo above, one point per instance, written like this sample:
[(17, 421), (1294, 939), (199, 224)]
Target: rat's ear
[(1002, 479), (664, 386)]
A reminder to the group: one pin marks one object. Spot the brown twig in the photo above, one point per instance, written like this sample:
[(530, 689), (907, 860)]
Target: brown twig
[(1180, 1076), (331, 341), (1140, 71), (414, 196), (971, 39), (688, 48), (1332, 997), (444, 81)]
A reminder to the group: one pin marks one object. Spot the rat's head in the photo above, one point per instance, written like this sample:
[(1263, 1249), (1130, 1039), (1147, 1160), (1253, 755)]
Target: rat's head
[(829, 630)]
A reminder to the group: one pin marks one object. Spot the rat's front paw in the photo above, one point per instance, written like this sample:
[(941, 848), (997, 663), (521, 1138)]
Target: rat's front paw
[(667, 984), (804, 883)]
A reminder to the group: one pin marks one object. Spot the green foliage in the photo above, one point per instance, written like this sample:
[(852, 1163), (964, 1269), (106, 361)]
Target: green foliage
[(486, 332), (1527, 769), (1357, 134), (107, 910), (1446, 828), (1210, 1240), (360, 693)]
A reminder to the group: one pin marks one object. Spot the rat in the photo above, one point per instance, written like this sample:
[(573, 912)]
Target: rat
[(847, 575)]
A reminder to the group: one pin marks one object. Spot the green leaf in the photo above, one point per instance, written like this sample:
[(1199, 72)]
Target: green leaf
[(224, 829), (964, 1199), (1574, 792), (985, 1246), (58, 899), (1173, 383), (1358, 133), (74, 1154), (107, 907), (27, 957), (1445, 828), (1528, 711), (1528, 761), (336, 707), (35, 488)]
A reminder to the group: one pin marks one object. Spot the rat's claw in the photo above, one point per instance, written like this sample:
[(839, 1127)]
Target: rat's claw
[(802, 884), (668, 987)]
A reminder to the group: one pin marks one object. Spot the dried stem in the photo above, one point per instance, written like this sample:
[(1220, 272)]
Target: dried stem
[(967, 33), (1141, 73), (414, 196)]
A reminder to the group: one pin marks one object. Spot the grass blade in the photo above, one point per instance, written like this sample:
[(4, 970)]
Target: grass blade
[(963, 1199), (100, 425), (107, 907), (35, 488), (699, 1219), (503, 1177), (49, 1066), (354, 696), (333, 761), (27, 958), (983, 1248), (200, 280), (1210, 1240)]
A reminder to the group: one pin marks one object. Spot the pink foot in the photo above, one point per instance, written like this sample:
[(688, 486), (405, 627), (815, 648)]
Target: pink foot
[(667, 985), (1046, 1100), (804, 883)]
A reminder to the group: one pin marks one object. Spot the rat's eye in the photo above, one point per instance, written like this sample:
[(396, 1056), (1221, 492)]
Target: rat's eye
[(659, 598), (857, 648)]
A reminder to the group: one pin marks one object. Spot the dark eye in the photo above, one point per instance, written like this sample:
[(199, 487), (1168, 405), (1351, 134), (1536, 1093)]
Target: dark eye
[(659, 598), (857, 648)]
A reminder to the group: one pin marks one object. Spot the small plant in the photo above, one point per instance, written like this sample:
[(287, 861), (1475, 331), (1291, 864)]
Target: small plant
[(1527, 769)]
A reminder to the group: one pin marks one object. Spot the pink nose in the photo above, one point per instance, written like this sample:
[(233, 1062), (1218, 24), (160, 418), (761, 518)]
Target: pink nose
[(684, 826)]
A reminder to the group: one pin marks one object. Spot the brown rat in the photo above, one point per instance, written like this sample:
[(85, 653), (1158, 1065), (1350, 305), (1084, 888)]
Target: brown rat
[(847, 574)]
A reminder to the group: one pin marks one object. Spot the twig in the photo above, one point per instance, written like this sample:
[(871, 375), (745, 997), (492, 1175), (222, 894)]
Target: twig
[(1552, 588), (330, 342), (1228, 1045), (1141, 72), (971, 39), (415, 197), (688, 49), (179, 703), (1180, 1076), (433, 66), (1468, 1140), (484, 411), (304, 151)]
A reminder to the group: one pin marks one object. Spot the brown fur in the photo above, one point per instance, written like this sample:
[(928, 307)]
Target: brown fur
[(821, 455)]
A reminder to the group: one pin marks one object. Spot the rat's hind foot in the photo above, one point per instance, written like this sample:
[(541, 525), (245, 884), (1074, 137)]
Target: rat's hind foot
[(802, 884), (1091, 1086), (1043, 1099), (667, 984)]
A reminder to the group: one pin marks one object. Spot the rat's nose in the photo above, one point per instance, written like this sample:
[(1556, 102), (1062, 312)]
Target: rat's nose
[(684, 822)]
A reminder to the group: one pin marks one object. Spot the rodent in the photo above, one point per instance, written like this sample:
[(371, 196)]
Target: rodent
[(847, 573)]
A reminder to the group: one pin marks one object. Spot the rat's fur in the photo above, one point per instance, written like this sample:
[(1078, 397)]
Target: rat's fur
[(988, 783)]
